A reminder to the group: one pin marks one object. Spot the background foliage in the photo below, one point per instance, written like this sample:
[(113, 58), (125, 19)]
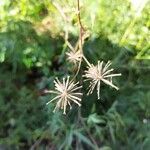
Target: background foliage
[(32, 54)]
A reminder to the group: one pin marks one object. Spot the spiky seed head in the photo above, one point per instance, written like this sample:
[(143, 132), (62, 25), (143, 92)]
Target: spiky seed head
[(96, 74), (74, 56), (66, 93)]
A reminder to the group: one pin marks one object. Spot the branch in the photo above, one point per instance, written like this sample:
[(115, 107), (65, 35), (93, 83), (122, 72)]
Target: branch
[(81, 28)]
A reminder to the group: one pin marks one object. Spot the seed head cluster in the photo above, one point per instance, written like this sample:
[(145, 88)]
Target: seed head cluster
[(68, 91)]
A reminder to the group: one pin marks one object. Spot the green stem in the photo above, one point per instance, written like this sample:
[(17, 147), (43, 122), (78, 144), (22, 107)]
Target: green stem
[(127, 31)]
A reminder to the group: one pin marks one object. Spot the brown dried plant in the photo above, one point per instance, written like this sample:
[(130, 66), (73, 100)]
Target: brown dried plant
[(98, 73), (66, 90), (66, 94)]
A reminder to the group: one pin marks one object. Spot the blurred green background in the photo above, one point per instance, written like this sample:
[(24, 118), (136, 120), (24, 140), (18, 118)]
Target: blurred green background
[(32, 54)]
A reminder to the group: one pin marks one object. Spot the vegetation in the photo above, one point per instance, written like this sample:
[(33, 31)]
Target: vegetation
[(33, 52)]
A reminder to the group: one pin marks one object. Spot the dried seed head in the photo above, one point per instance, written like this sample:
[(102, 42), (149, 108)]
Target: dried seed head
[(66, 94), (98, 73), (74, 56)]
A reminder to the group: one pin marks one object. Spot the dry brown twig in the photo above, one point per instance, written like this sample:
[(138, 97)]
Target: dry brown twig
[(75, 54)]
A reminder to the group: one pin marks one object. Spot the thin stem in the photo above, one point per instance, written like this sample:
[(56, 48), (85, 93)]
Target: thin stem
[(127, 31), (77, 70), (80, 26), (81, 33), (79, 18), (69, 45), (86, 61), (61, 11)]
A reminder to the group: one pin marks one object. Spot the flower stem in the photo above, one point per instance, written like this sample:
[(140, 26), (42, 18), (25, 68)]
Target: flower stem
[(85, 59)]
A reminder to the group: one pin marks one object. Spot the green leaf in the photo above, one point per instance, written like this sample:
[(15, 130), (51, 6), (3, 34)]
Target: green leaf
[(84, 139), (95, 119), (106, 148), (2, 56)]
